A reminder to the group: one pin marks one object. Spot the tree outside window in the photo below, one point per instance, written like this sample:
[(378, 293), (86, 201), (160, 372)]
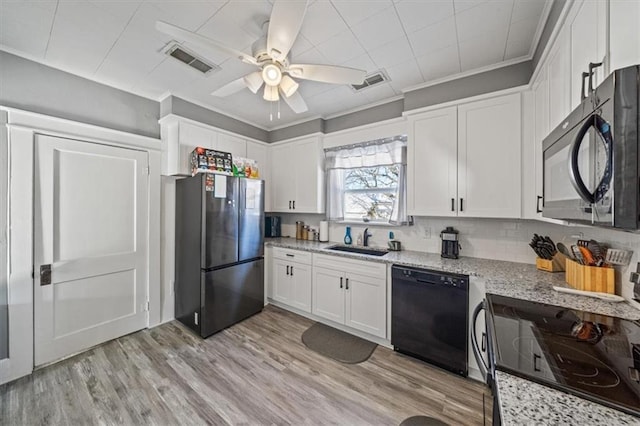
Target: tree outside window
[(370, 193)]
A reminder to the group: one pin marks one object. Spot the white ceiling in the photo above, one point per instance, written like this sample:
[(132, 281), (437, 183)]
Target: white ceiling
[(414, 41)]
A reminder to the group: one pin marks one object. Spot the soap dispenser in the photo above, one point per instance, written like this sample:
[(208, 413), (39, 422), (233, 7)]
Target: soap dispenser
[(347, 236)]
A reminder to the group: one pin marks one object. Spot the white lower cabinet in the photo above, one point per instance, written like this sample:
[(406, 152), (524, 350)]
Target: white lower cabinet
[(350, 292), (291, 279)]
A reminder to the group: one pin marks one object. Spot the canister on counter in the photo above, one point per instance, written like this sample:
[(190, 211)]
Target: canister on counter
[(299, 228)]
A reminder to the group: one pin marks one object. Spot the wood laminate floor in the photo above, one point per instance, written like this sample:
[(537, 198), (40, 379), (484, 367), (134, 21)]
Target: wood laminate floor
[(256, 372)]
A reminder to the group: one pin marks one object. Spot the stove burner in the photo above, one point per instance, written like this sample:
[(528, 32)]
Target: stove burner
[(569, 365)]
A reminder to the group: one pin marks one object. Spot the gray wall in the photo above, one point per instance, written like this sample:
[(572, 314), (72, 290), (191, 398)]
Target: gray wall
[(477, 84), (4, 175), (178, 106), (374, 114), (38, 88), (306, 128), (552, 20)]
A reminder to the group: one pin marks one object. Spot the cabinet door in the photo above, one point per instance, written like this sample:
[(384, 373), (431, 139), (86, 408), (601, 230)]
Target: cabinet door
[(259, 152), (433, 164), (309, 177), (586, 33), (191, 136), (301, 286), (283, 179), (328, 294), (559, 85), (541, 130), (366, 304), (489, 146), (281, 282), (235, 145), (624, 40)]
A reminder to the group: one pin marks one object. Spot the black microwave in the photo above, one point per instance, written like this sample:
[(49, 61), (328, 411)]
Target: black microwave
[(591, 162)]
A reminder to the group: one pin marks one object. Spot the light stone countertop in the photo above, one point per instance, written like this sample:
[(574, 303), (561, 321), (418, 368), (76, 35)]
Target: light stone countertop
[(522, 402)]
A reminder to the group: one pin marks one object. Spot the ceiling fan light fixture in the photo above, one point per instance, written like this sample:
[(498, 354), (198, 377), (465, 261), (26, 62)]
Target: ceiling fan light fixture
[(271, 93), (288, 86), (254, 81), (271, 74)]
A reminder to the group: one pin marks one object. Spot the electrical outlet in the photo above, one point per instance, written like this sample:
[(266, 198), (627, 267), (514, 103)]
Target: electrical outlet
[(427, 233)]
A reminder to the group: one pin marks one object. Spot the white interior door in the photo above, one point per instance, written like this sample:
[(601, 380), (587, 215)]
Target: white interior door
[(91, 226)]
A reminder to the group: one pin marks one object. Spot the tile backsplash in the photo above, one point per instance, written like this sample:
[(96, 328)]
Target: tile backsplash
[(500, 239)]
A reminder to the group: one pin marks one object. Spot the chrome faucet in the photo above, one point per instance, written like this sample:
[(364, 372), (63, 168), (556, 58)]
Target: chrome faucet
[(365, 237)]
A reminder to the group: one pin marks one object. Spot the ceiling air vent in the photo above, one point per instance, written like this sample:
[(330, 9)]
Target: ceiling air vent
[(371, 80), (180, 53)]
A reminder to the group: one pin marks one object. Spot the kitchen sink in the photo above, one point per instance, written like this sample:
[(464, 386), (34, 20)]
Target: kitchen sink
[(359, 250)]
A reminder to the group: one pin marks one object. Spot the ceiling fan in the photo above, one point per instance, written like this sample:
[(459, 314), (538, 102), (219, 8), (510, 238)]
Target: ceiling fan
[(270, 53)]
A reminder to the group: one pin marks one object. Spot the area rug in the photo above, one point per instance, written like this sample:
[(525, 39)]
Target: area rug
[(422, 421), (337, 344)]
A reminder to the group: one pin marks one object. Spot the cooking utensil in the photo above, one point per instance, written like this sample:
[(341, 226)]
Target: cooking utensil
[(587, 255), (598, 252), (564, 250), (618, 257), (598, 295), (577, 255)]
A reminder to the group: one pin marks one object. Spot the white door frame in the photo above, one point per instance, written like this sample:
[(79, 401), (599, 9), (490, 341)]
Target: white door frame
[(22, 126)]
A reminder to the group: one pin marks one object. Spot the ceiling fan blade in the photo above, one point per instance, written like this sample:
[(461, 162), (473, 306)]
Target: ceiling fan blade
[(191, 37), (284, 26), (295, 102), (230, 88), (327, 73)]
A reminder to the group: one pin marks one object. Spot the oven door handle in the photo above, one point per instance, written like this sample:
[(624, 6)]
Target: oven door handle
[(482, 364), (604, 130)]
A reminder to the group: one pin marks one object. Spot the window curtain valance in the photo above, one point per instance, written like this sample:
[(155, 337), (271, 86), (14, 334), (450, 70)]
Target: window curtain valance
[(380, 152)]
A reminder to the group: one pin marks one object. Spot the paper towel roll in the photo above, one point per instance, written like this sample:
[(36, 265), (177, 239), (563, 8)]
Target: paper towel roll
[(324, 231)]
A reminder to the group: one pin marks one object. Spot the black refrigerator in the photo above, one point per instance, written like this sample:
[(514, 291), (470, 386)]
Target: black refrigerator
[(219, 251)]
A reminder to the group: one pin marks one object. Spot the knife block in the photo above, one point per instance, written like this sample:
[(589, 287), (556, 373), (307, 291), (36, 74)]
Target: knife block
[(557, 264), (590, 278)]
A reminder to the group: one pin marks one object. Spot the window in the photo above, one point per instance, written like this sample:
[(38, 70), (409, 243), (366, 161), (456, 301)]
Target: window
[(367, 181), (369, 193)]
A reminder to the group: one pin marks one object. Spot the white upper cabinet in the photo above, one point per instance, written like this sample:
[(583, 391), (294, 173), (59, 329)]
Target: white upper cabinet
[(237, 146), (540, 130), (260, 153), (489, 146), (433, 163), (465, 160), (588, 40), (297, 176), (624, 33), (559, 81)]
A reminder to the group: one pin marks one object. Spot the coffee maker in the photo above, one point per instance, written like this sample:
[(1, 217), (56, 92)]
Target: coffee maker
[(450, 244)]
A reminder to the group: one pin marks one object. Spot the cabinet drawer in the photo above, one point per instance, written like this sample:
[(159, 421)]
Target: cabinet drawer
[(291, 255), (355, 266)]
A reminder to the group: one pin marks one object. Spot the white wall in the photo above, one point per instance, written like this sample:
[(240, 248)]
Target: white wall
[(500, 239)]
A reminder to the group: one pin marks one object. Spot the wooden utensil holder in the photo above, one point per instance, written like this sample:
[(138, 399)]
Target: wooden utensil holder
[(557, 264), (590, 278)]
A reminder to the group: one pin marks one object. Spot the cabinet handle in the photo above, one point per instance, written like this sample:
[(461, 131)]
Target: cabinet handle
[(287, 269), (290, 255), (289, 204), (484, 342), (582, 94), (347, 284), (294, 204), (453, 204), (592, 66), (536, 357), (538, 209), (291, 270), (461, 204), (340, 282)]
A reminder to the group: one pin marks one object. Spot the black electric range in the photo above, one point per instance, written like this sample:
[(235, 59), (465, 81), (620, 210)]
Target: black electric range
[(593, 356)]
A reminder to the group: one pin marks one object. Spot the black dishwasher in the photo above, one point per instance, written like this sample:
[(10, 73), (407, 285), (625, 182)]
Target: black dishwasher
[(430, 316)]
